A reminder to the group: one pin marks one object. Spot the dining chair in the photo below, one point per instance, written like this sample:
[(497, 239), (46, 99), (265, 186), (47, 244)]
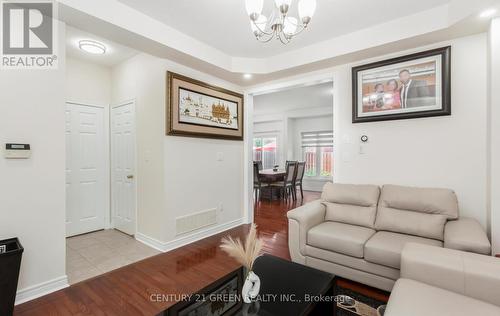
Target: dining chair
[(287, 186), (301, 167), (259, 163), (257, 183)]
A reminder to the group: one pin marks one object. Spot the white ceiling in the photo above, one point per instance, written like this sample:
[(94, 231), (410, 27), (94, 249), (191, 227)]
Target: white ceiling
[(115, 53), (213, 36), (313, 96), (224, 25)]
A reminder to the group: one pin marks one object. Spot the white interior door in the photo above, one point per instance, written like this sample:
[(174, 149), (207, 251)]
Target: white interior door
[(123, 184), (86, 192)]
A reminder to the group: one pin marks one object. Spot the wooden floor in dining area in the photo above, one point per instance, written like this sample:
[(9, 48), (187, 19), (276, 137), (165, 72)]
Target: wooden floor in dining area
[(186, 270)]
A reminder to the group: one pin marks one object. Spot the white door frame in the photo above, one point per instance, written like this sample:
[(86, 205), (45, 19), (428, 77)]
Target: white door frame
[(134, 105), (107, 157), (248, 138)]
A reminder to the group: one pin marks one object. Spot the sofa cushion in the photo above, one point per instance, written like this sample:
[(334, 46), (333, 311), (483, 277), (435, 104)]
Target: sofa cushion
[(412, 298), (354, 194), (385, 247), (466, 273), (343, 238), (350, 214), (411, 223), (416, 211), (423, 200), (350, 203), (352, 262)]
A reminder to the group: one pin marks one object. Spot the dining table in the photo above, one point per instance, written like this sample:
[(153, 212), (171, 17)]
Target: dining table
[(269, 176)]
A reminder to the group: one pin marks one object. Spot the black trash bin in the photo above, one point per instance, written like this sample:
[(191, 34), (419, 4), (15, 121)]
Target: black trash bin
[(11, 252)]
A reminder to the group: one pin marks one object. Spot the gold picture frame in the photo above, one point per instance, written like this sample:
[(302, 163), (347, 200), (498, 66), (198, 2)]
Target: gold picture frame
[(198, 109)]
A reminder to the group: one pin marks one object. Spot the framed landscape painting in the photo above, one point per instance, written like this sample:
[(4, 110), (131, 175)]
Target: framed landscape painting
[(197, 109), (411, 86)]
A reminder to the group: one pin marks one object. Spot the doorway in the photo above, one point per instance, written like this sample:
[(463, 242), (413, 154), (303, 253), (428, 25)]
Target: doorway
[(87, 180), (123, 167), (100, 173), (300, 112)]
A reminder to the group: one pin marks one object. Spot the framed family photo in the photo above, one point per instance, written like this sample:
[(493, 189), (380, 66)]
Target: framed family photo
[(197, 109), (412, 86)]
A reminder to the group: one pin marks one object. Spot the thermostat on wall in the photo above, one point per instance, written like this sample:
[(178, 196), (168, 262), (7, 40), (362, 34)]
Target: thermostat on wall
[(17, 151)]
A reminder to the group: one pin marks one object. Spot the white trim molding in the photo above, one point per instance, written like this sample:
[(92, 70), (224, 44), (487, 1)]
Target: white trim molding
[(128, 23), (41, 289), (187, 238), (149, 241)]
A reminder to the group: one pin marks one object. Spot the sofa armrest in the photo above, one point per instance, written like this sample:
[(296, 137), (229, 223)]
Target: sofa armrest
[(308, 215), (465, 273), (300, 221), (466, 234)]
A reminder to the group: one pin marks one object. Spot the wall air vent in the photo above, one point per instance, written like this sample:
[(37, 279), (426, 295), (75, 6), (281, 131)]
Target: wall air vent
[(192, 222)]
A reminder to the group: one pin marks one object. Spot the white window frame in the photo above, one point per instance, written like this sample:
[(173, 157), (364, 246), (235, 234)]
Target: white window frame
[(278, 143), (318, 175)]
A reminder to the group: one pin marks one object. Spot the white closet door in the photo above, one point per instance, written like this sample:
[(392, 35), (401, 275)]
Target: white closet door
[(123, 182), (86, 203)]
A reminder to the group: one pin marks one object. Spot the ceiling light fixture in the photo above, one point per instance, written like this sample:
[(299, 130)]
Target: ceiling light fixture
[(247, 76), (279, 25), (92, 47), (488, 13)]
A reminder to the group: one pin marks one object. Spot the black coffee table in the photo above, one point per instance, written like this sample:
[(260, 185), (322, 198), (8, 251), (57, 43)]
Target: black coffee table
[(293, 289), (287, 289)]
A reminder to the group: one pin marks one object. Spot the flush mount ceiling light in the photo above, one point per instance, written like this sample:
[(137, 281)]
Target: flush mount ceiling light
[(247, 76), (279, 25), (92, 47), (488, 13)]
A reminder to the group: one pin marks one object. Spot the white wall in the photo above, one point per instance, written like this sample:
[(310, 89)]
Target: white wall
[(176, 175), (87, 83), (447, 151), (494, 50), (32, 191), (291, 99)]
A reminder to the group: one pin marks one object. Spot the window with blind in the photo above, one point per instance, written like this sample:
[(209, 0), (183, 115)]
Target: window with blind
[(317, 149)]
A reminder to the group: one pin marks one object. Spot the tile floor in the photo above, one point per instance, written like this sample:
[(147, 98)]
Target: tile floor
[(96, 253)]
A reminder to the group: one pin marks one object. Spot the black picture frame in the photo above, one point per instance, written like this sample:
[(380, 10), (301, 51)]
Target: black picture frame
[(444, 52)]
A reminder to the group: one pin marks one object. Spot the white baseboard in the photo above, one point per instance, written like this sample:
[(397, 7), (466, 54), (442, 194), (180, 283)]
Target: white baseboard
[(149, 241), (35, 291), (187, 238)]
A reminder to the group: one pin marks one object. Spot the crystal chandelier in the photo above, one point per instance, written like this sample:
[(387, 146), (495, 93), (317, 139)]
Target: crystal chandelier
[(279, 25)]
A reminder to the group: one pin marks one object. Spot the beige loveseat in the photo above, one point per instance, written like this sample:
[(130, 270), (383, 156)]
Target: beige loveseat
[(445, 282), (358, 231)]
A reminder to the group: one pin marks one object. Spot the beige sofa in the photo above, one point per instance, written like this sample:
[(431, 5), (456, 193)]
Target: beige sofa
[(358, 231), (444, 282)]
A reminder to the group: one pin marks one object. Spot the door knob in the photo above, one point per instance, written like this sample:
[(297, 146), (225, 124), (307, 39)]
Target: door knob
[(130, 176)]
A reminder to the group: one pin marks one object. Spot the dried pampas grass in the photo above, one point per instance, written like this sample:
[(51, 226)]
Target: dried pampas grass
[(246, 254)]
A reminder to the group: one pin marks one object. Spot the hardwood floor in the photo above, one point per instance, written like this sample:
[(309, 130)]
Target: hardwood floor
[(129, 290), (272, 223)]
